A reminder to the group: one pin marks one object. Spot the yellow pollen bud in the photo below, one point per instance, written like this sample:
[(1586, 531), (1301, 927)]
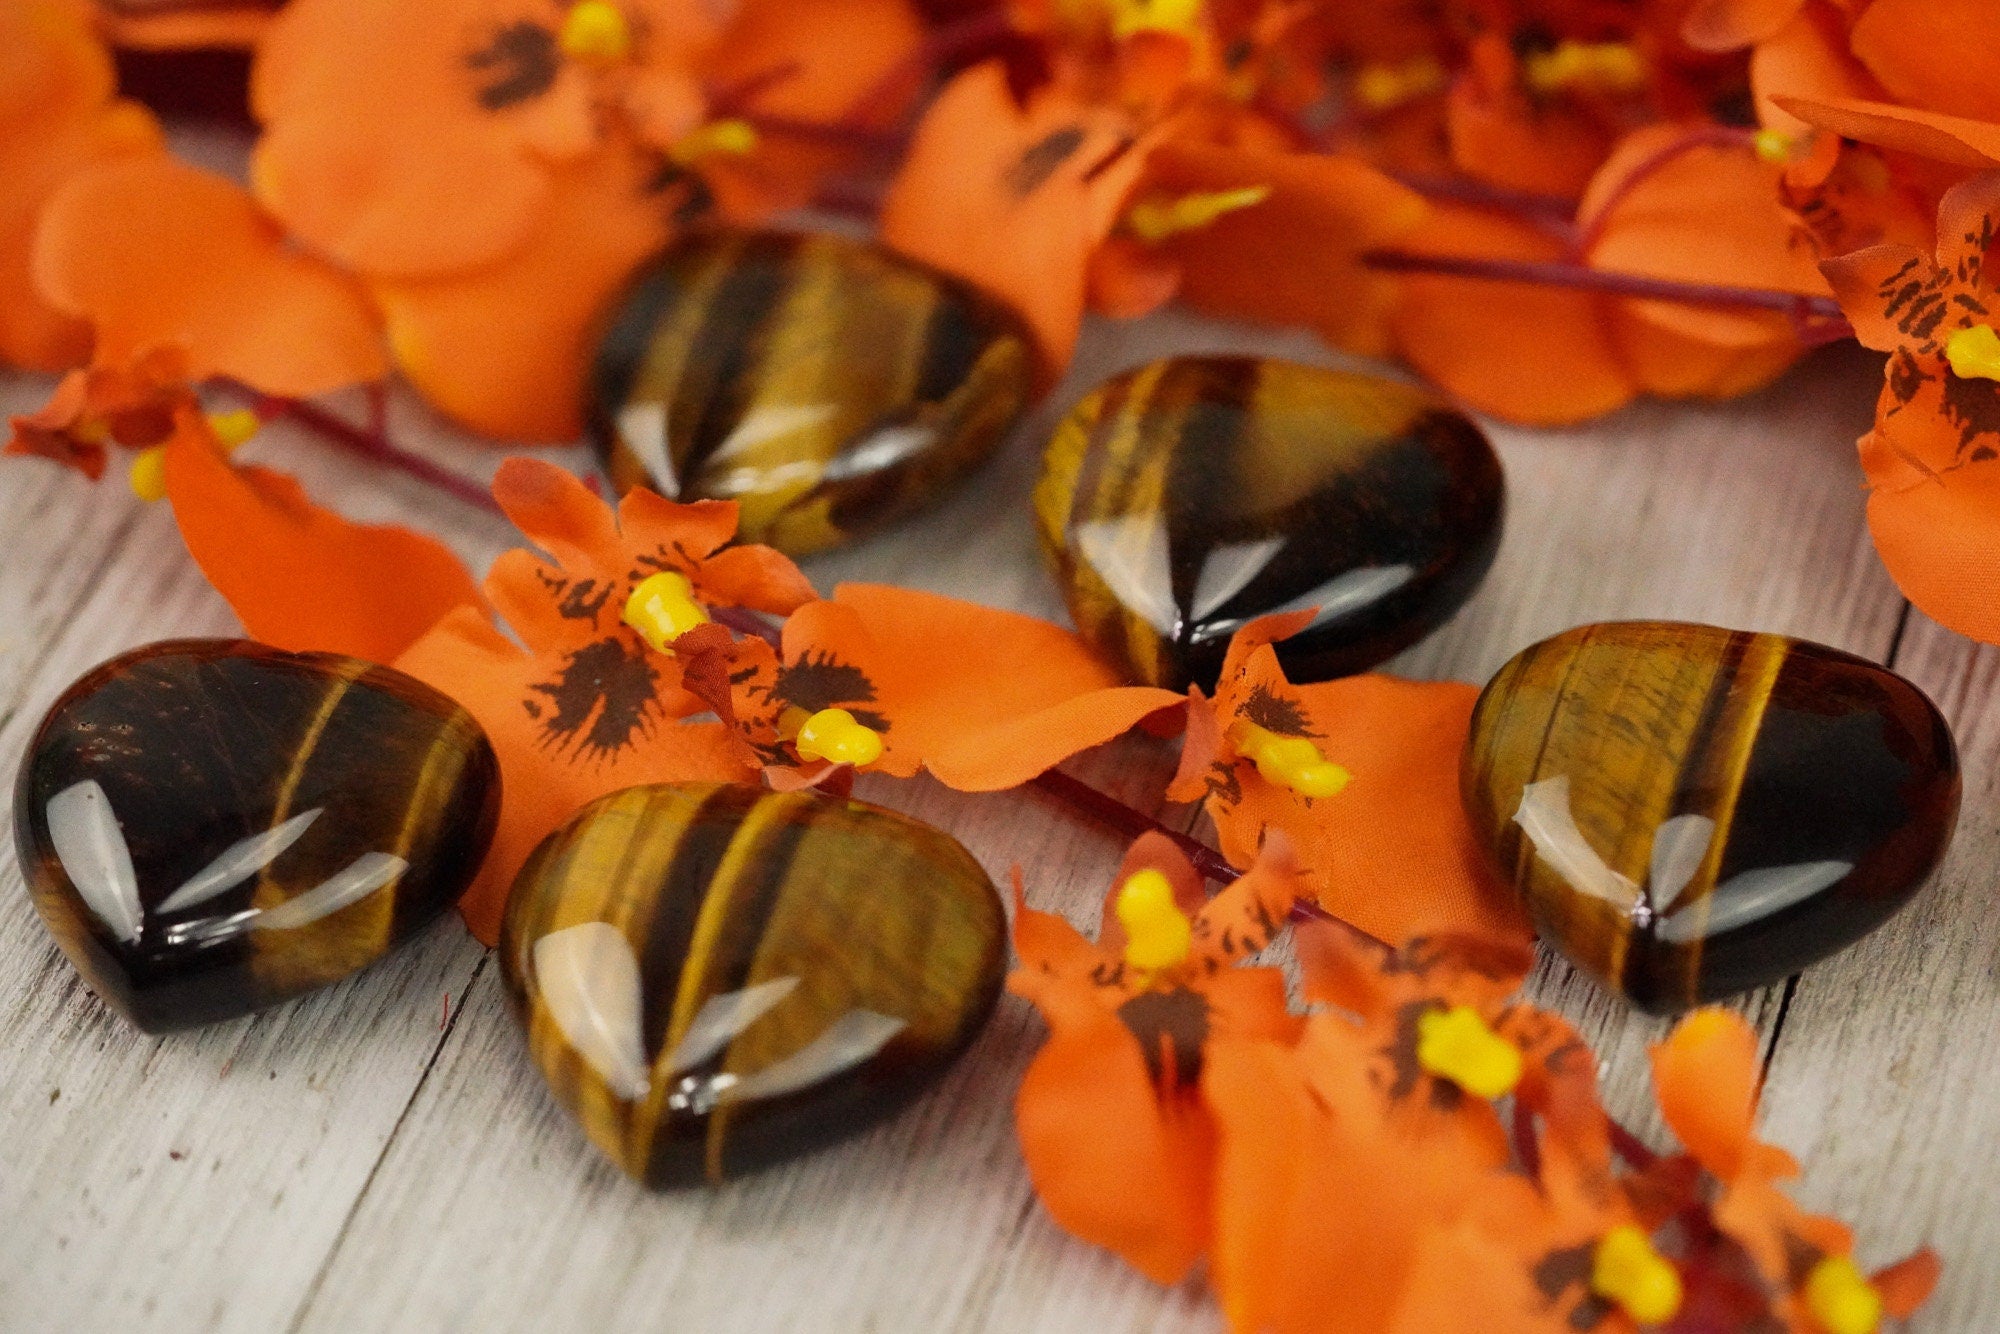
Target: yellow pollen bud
[(1774, 147), (234, 428), (1288, 761), (1456, 1044), (1382, 87), (595, 30), (662, 609), (1157, 933), (1974, 353), (149, 474), (1129, 17), (1154, 220), (733, 137), (1627, 1270), (1606, 67), (1841, 1299), (834, 735)]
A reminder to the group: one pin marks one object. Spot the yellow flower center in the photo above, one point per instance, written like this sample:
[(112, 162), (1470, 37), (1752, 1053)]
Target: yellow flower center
[(1774, 147), (1382, 87), (662, 609), (1129, 17), (1604, 67), (232, 430), (1627, 1270), (1456, 1044), (834, 735), (1841, 1298), (596, 31), (732, 137), (1157, 933), (1974, 353), (1288, 761), (1154, 220)]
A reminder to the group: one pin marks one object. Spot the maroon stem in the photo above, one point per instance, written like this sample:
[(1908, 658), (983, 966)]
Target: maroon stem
[(1549, 214), (1561, 273), (747, 622), (370, 445), (1629, 1146), (1115, 814)]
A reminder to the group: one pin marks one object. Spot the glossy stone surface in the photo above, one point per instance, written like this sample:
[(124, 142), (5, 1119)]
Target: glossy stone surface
[(826, 385), (212, 826), (1182, 499), (714, 978), (1690, 812)]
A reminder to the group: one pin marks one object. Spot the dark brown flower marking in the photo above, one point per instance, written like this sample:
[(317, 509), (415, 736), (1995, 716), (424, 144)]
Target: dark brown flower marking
[(1169, 1024), (1559, 1271), (1973, 406), (1236, 943), (822, 681), (520, 62), (576, 599), (1042, 159), (604, 699), (1275, 713), (1401, 1054)]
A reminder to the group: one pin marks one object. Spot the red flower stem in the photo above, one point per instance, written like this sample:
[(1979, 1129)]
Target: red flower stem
[(1707, 136), (1117, 816), (1629, 1146), (1561, 273), (1549, 214), (745, 621), (1526, 1147), (370, 445)]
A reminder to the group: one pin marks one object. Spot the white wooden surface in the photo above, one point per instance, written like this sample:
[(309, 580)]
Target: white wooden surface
[(355, 1161)]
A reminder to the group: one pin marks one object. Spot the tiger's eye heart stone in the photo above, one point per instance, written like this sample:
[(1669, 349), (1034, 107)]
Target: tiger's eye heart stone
[(827, 386), (1690, 812), (714, 977), (212, 826), (1183, 499)]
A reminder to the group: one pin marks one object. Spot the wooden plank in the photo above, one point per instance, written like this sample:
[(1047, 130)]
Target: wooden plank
[(194, 1181), (1882, 1080), (489, 1208)]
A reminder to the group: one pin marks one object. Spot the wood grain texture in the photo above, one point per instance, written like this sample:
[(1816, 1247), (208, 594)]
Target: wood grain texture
[(344, 1164)]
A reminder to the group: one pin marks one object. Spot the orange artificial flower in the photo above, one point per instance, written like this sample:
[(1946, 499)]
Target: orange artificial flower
[(1015, 197), (1116, 1130), (1688, 207), (983, 699), (584, 704), (298, 576), (154, 253), (1389, 849), (132, 405), (498, 168), (1933, 457), (1339, 1157), (1706, 1073), (58, 115)]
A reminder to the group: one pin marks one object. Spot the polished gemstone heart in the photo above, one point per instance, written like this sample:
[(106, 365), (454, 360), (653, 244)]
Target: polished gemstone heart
[(716, 977), (213, 826), (1690, 812), (827, 386), (1183, 499)]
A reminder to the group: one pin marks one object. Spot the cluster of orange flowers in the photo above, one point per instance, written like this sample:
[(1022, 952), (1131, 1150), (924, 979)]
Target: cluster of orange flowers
[(1548, 207)]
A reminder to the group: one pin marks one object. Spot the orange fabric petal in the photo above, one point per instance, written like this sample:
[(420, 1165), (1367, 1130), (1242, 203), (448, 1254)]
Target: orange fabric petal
[(156, 253), (1705, 1076), (1725, 25), (1323, 212), (1538, 355), (1927, 134), (1250, 911), (1706, 214), (548, 774), (1499, 135), (1128, 279), (1806, 57), (1906, 1285), (57, 117), (1935, 54), (815, 65), (397, 136), (225, 26), (505, 348), (1151, 851), (1115, 1162), (1014, 199), (1022, 696), (1392, 852), (301, 577)]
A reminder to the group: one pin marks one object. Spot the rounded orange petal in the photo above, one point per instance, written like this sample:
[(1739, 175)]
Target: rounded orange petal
[(1706, 1074), (1956, 140), (505, 349), (156, 253), (1936, 54)]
